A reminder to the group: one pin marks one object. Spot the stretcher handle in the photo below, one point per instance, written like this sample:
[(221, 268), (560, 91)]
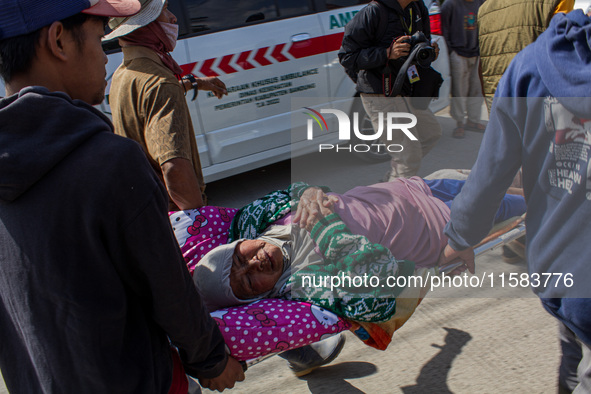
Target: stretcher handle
[(503, 239), (502, 236), (249, 363)]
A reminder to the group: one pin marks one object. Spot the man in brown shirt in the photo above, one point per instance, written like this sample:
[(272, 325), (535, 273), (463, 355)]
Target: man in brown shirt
[(148, 101)]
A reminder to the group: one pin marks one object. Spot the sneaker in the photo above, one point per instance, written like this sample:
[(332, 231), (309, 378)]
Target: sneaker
[(475, 126), (305, 359)]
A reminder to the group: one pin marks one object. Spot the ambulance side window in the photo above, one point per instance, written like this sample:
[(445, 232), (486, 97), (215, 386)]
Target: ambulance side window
[(288, 8), (213, 15), (334, 4)]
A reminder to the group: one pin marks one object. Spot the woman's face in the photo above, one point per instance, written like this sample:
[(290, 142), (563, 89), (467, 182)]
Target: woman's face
[(256, 267)]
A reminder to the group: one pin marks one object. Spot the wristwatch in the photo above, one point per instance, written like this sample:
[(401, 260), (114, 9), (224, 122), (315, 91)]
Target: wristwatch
[(191, 78)]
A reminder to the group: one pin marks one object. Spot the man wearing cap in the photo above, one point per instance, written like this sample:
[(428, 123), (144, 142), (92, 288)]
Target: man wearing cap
[(148, 103), (93, 286)]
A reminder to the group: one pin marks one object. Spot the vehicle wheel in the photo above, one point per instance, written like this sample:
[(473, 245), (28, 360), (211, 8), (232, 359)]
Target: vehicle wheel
[(374, 155)]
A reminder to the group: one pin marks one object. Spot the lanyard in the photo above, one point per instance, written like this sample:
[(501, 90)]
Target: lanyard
[(408, 29)]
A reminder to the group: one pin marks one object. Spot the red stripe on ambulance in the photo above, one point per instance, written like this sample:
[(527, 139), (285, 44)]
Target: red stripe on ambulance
[(225, 65), (260, 57), (187, 68), (277, 55), (206, 68), (243, 61), (296, 50)]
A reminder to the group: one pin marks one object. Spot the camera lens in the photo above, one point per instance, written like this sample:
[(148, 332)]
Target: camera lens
[(425, 56)]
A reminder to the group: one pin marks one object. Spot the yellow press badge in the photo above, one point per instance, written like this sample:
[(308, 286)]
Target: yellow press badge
[(413, 74)]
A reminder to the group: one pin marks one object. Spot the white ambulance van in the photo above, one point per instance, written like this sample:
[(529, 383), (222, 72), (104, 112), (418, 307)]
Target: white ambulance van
[(267, 52)]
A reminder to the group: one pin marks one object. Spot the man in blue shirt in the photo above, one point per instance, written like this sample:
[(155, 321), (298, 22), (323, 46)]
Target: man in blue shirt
[(540, 121)]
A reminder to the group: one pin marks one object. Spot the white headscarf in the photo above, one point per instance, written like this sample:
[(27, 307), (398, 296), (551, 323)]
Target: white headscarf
[(212, 274)]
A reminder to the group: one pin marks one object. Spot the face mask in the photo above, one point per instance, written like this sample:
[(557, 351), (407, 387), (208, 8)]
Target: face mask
[(172, 32)]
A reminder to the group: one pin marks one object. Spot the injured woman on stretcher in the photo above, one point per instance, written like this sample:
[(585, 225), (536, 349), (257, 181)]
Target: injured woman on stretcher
[(349, 253)]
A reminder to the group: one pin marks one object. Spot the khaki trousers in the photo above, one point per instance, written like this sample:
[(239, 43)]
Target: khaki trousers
[(466, 90)]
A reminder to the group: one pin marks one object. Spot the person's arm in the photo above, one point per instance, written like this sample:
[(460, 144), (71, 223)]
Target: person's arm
[(446, 15), (232, 373), (212, 84), (307, 214), (359, 50), (350, 255), (176, 306), (474, 208), (168, 140), (141, 244), (299, 189), (182, 184), (399, 48)]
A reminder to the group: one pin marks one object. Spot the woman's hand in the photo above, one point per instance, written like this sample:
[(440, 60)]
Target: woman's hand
[(313, 205)]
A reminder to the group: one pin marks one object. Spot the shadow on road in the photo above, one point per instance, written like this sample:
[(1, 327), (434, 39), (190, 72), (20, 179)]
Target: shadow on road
[(433, 375), (332, 378)]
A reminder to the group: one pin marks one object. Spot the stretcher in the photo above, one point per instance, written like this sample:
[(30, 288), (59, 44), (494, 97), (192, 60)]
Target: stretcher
[(267, 327), (500, 235)]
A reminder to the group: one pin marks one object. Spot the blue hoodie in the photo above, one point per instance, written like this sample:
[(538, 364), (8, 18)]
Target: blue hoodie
[(541, 121)]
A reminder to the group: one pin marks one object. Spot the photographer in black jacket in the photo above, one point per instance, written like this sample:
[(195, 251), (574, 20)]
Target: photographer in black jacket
[(375, 46)]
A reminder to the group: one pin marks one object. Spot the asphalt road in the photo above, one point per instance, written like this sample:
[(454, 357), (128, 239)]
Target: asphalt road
[(459, 340)]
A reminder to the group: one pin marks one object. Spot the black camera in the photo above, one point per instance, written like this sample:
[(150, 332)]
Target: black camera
[(421, 47)]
